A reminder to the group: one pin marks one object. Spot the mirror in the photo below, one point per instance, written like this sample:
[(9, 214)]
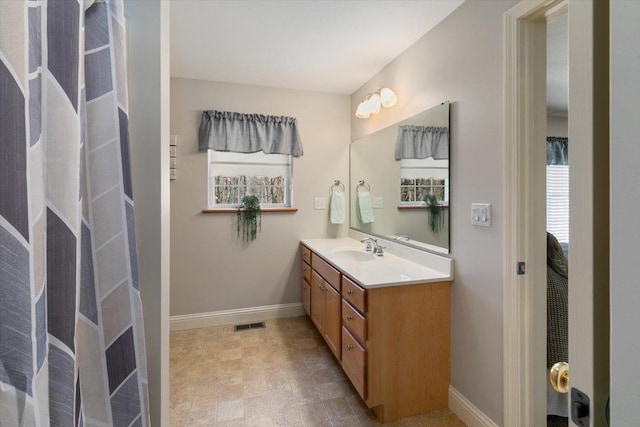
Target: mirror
[(393, 171)]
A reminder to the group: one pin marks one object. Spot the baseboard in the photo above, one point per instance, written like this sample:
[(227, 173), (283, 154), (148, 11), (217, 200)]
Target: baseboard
[(467, 411), (232, 317)]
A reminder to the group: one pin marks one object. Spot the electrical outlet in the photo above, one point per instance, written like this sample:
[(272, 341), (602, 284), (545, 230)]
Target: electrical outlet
[(481, 214), (378, 203), (319, 203)]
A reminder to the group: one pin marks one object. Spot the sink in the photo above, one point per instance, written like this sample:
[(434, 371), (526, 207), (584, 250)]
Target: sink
[(353, 255)]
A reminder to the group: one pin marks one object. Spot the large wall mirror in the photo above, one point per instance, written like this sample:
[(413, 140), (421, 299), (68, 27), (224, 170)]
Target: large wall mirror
[(399, 180)]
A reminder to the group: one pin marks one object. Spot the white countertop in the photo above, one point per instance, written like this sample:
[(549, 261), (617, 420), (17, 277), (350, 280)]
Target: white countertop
[(387, 270)]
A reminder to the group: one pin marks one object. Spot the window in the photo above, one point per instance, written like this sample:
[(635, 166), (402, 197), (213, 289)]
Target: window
[(558, 202), (419, 177), (235, 175)]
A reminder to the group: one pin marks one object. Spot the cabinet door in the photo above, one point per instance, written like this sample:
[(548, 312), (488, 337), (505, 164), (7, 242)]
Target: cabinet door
[(317, 300), (332, 319), (306, 296)]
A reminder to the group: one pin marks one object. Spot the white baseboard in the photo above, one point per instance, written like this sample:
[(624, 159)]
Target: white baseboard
[(231, 317), (467, 411)]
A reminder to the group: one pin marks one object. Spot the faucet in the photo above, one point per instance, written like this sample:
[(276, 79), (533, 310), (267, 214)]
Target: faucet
[(373, 246), (403, 237), (370, 242)]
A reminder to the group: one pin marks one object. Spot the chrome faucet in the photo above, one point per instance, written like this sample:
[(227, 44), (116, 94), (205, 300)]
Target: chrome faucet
[(370, 242), (373, 246), (403, 237)]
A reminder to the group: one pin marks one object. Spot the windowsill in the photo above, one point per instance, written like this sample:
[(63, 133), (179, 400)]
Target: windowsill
[(235, 210), (412, 207)]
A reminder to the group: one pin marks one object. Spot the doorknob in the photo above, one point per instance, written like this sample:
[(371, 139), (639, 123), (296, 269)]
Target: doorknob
[(559, 377)]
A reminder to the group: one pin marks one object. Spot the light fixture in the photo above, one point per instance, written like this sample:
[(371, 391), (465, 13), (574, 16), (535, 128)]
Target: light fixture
[(387, 97), (372, 103)]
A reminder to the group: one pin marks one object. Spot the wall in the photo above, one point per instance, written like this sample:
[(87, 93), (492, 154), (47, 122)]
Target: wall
[(148, 74), (461, 61), (625, 212), (211, 269)]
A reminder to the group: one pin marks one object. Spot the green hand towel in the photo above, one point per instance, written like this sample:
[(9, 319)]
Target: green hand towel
[(365, 207), (337, 208)]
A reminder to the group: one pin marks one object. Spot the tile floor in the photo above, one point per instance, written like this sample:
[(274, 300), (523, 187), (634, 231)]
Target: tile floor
[(283, 375)]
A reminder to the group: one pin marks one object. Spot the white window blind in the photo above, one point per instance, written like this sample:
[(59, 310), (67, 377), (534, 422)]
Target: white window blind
[(235, 175), (558, 202)]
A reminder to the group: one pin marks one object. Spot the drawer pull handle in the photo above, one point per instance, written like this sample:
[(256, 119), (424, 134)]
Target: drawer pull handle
[(349, 347), (349, 317), (349, 291)]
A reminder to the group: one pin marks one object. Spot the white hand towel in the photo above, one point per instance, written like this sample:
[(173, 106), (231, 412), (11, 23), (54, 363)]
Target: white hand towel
[(337, 208), (365, 207)]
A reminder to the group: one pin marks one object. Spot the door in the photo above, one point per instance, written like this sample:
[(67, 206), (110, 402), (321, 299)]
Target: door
[(589, 205), (317, 299), (525, 243), (332, 318)]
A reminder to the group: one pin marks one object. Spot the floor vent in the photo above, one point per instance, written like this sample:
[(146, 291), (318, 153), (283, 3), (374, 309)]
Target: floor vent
[(248, 326)]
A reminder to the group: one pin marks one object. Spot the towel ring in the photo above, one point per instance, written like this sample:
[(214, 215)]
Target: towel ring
[(364, 184), (337, 183)]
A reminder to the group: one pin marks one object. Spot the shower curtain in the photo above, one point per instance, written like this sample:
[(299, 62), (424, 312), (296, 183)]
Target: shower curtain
[(71, 334)]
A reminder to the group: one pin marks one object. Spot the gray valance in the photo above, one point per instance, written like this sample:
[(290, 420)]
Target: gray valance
[(249, 133), (557, 150), (420, 142)]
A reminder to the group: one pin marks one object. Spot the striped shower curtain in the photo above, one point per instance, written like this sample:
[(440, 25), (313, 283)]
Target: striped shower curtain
[(71, 333)]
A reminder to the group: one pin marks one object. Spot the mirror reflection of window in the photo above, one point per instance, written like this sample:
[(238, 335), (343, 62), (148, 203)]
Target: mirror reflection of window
[(420, 177)]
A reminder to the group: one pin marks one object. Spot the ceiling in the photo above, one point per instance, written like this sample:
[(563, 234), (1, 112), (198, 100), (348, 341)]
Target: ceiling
[(558, 67), (317, 45)]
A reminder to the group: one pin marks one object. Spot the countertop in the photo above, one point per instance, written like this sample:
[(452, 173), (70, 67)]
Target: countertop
[(384, 271)]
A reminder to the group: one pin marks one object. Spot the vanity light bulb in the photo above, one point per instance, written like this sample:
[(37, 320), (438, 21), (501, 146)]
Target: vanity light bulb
[(374, 103), (388, 97), (361, 111)]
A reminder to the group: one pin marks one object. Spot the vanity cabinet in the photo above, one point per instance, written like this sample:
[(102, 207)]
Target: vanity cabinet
[(326, 302), (306, 280), (393, 342)]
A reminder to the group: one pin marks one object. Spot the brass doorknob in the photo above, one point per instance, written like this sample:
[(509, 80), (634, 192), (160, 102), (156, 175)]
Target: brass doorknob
[(559, 377)]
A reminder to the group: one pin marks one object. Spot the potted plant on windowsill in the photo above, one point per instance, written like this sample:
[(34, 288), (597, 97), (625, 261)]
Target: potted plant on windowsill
[(435, 212), (249, 218)]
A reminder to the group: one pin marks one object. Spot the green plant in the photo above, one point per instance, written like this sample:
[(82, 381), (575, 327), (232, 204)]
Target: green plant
[(249, 218), (435, 213)]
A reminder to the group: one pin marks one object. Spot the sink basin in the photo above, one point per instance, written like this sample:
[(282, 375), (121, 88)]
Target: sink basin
[(353, 255)]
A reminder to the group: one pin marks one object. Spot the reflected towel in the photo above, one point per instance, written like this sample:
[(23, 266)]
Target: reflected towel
[(365, 207), (337, 208)]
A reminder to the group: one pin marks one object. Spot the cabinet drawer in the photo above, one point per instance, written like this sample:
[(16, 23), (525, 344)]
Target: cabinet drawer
[(354, 362), (354, 294), (306, 296), (306, 272), (354, 322), (306, 254), (329, 273)]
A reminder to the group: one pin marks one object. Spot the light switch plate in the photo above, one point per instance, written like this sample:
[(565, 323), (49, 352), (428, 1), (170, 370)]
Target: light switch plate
[(481, 214), (319, 203), (378, 203)]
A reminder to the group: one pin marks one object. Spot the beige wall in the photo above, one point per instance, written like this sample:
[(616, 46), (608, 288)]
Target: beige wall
[(460, 60), (148, 78), (211, 269)]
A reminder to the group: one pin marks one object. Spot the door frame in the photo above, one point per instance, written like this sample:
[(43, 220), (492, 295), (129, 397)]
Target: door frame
[(524, 321)]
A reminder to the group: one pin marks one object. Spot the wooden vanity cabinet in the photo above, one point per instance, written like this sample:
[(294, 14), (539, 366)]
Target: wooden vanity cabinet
[(393, 342), (326, 303), (306, 280)]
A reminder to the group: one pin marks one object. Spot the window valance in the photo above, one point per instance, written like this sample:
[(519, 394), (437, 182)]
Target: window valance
[(421, 142), (557, 150), (249, 133)]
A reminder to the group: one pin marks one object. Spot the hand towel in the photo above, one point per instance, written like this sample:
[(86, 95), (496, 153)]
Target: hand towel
[(365, 207), (337, 208)]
